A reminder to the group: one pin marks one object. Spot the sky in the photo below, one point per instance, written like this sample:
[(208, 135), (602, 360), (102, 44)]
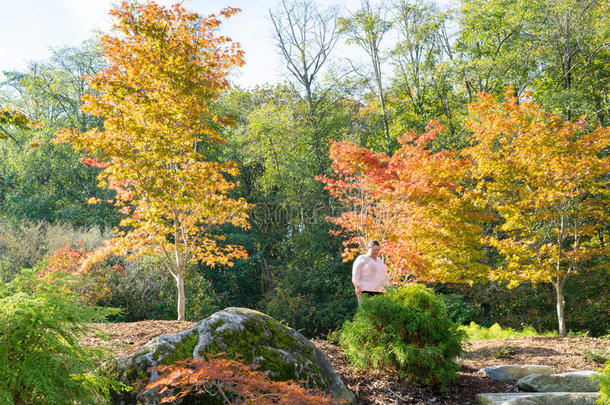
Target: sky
[(30, 28)]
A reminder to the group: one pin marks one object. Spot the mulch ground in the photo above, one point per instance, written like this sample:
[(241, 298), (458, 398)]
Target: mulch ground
[(564, 354)]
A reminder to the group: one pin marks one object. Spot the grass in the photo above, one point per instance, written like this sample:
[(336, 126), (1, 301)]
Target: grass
[(477, 332), (598, 356), (503, 352)]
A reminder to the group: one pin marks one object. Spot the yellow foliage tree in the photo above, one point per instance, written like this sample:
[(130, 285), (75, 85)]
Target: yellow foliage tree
[(165, 68), (549, 181)]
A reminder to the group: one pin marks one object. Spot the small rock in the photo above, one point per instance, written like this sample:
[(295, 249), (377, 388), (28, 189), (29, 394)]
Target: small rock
[(577, 381), (514, 372), (539, 398)]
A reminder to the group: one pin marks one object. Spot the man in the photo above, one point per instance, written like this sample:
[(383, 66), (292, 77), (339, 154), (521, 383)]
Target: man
[(369, 274)]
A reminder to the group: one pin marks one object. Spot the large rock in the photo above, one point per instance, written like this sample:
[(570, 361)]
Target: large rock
[(539, 398), (258, 338), (577, 381), (513, 373)]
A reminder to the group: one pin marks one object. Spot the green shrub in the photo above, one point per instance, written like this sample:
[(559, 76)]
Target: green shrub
[(477, 332), (334, 336), (41, 360), (603, 378), (457, 309), (407, 329), (504, 352), (24, 244), (587, 305), (598, 356)]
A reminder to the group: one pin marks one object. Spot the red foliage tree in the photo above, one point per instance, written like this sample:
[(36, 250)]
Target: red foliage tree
[(90, 277), (411, 202)]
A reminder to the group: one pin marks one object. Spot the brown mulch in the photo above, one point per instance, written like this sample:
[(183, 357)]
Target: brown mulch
[(564, 354), (127, 337), (387, 388)]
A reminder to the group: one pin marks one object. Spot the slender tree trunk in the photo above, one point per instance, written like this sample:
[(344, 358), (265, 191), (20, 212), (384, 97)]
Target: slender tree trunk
[(560, 306), (181, 257), (559, 280), (17, 399), (384, 116), (181, 299), (267, 277)]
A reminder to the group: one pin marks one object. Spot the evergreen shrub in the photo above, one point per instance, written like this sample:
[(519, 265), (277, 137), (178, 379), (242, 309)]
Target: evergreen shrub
[(407, 329), (41, 358)]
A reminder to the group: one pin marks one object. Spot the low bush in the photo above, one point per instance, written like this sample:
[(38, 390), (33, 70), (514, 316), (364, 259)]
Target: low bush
[(603, 379), (407, 329), (598, 356), (41, 359), (24, 244), (229, 382), (587, 305), (477, 332)]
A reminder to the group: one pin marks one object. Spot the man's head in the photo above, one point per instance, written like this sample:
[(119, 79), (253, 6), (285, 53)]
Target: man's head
[(374, 248)]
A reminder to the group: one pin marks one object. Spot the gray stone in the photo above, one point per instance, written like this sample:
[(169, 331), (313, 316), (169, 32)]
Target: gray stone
[(514, 372), (259, 339), (539, 398), (577, 381)]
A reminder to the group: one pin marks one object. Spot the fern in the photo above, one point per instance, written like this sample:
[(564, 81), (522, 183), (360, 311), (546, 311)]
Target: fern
[(40, 355)]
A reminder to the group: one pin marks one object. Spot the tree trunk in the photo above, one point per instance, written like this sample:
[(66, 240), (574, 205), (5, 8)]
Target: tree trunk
[(181, 298), (17, 399), (267, 277), (384, 116), (560, 306)]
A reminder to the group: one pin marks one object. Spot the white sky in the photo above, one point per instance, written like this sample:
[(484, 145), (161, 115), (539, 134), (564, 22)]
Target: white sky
[(29, 28)]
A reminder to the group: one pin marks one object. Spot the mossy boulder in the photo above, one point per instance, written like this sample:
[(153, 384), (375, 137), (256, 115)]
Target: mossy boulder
[(252, 336)]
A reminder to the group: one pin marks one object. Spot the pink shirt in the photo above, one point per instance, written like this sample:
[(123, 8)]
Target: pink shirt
[(369, 274)]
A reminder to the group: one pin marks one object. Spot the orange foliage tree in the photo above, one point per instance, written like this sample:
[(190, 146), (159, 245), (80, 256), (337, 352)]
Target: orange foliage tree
[(91, 278), (231, 380), (549, 181), (411, 202), (165, 67)]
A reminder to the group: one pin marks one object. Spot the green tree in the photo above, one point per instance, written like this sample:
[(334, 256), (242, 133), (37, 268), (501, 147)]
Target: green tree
[(424, 83), (366, 29), (42, 181)]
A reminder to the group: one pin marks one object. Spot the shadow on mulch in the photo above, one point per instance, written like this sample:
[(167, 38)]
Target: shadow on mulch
[(515, 351), (384, 388)]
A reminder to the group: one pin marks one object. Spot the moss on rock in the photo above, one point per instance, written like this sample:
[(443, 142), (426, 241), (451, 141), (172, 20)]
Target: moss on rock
[(182, 350), (247, 335)]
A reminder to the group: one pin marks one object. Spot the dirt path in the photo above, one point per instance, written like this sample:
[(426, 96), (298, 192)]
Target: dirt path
[(386, 388)]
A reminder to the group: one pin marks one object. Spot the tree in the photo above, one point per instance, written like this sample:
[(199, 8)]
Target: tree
[(412, 203), (573, 46), (557, 48), (305, 37), (165, 68), (424, 61), (366, 29), (548, 179), (15, 119), (42, 181), (494, 45)]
